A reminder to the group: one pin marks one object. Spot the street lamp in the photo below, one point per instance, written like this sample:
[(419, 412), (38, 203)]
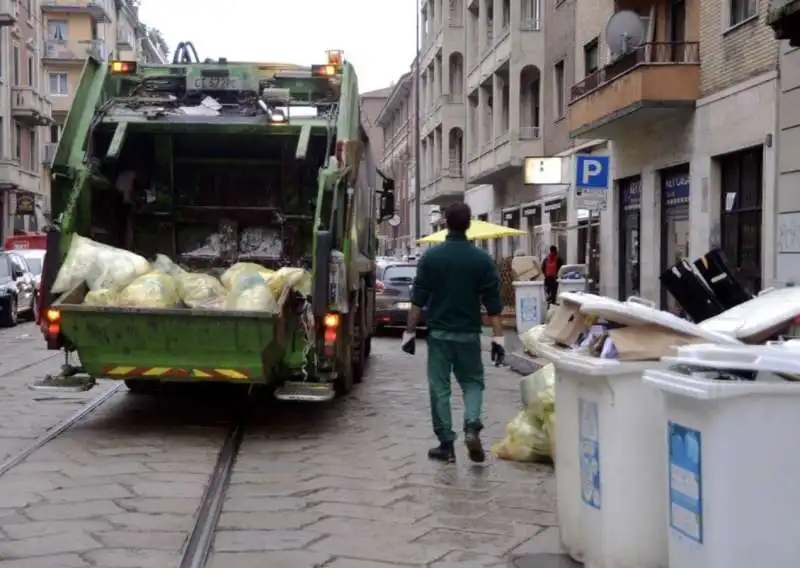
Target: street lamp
[(417, 141)]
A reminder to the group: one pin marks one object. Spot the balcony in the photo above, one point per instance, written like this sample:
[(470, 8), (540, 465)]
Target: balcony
[(657, 80), (784, 18), (29, 107), (446, 187), (73, 52), (503, 156), (99, 10), (126, 40), (9, 12), (14, 177)]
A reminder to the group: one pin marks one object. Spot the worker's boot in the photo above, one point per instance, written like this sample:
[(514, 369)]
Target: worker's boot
[(444, 452), (472, 439)]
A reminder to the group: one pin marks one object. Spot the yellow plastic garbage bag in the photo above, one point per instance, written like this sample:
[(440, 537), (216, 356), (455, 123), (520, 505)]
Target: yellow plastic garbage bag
[(530, 339), (101, 298), (199, 290), (100, 266), (530, 436), (252, 294), (288, 278), (153, 290), (165, 265), (243, 269)]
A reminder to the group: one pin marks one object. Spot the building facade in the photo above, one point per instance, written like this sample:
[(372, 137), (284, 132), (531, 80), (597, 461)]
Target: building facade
[(24, 118), (396, 159)]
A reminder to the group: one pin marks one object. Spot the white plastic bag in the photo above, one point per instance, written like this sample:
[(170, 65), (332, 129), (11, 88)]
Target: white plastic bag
[(199, 290), (530, 339), (243, 269), (102, 267), (152, 290), (165, 265)]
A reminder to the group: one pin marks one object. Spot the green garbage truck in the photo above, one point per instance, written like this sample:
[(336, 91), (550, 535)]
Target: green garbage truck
[(213, 163)]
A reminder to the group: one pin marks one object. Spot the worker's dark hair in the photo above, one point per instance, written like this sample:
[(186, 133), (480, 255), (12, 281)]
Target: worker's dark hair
[(553, 249), (458, 217)]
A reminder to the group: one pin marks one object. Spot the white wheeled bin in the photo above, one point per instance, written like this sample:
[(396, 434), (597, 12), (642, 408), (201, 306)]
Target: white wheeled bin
[(607, 430), (732, 454), (609, 426), (529, 304)]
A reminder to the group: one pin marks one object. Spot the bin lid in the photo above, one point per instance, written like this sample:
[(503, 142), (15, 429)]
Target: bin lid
[(761, 314), (578, 297), (636, 311), (781, 358)]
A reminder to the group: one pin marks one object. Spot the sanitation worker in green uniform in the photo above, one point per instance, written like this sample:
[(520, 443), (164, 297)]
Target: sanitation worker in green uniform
[(453, 280)]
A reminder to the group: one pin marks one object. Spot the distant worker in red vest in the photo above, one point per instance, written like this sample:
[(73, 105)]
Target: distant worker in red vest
[(551, 264)]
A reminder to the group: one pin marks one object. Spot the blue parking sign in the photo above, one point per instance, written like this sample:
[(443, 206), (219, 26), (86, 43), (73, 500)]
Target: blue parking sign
[(592, 172)]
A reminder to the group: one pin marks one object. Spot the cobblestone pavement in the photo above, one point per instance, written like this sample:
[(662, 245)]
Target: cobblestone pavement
[(345, 485)]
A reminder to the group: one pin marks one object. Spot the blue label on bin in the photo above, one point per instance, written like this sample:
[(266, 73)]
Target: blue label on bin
[(685, 482), (589, 438)]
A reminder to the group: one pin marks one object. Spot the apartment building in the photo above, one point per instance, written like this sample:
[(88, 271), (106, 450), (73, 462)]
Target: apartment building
[(396, 158), (784, 17), (372, 103), (689, 116), (25, 113)]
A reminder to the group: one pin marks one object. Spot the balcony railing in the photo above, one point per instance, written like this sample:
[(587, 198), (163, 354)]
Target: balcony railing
[(529, 133), (657, 53)]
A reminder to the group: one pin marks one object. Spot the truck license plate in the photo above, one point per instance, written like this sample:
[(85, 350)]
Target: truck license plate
[(403, 305)]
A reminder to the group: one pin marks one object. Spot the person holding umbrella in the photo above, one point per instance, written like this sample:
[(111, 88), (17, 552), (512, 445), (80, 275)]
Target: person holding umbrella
[(453, 280)]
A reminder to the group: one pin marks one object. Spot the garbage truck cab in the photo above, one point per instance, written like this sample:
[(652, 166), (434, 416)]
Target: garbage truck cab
[(212, 164)]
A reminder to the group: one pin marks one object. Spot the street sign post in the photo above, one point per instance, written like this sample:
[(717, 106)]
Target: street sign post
[(592, 182)]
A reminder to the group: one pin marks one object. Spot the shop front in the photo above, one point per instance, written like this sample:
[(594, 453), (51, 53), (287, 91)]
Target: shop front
[(511, 219), (629, 191), (532, 224), (555, 209), (675, 196)]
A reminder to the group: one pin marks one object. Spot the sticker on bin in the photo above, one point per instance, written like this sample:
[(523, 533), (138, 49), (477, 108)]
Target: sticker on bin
[(685, 482), (530, 310), (589, 428)]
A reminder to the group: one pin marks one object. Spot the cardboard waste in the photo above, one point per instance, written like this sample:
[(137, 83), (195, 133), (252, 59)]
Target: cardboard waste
[(116, 277)]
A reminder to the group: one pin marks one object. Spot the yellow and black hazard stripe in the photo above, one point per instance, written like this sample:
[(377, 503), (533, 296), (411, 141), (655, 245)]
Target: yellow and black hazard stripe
[(176, 372)]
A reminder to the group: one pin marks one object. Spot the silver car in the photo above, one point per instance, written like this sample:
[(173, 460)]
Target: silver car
[(35, 260)]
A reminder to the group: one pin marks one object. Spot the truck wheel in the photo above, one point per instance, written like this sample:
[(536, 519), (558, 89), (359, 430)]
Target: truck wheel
[(360, 362), (142, 386), (344, 382), (368, 346)]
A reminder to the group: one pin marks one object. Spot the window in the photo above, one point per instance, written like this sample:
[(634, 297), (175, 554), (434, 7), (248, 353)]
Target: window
[(559, 77), (17, 141), (591, 57), (55, 133), (58, 84), (16, 78), (741, 10), (57, 30), (31, 72), (33, 151)]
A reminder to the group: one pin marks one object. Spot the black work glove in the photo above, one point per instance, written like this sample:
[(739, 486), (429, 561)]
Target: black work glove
[(409, 342), (498, 350)]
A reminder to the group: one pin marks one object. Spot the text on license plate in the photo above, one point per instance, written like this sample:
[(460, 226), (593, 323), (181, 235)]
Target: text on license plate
[(216, 84), (403, 305)]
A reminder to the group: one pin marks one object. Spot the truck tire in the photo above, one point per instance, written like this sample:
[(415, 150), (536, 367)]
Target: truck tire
[(143, 386), (360, 345)]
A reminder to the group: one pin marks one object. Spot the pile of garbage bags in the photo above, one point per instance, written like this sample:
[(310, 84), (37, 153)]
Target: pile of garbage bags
[(530, 436), (117, 277)]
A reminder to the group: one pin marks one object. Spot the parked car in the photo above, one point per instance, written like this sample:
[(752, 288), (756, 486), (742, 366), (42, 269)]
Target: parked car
[(35, 260), (17, 289), (393, 296)]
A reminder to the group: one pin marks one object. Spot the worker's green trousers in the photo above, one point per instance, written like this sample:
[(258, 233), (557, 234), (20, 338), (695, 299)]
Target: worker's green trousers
[(462, 358)]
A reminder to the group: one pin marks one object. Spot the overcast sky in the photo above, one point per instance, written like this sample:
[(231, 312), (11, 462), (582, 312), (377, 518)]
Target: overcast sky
[(377, 37)]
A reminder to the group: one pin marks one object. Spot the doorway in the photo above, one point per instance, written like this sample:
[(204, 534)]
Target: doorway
[(675, 193), (630, 221), (741, 175)]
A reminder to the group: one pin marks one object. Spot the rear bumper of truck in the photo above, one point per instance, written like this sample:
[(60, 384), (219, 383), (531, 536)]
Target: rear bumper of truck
[(181, 344)]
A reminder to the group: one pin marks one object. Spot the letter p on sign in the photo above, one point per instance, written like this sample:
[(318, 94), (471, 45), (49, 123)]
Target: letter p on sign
[(592, 171)]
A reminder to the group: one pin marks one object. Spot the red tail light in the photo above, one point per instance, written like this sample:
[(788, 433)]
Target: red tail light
[(330, 327)]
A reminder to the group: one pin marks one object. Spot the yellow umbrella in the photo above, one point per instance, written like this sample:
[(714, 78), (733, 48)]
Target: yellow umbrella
[(478, 231)]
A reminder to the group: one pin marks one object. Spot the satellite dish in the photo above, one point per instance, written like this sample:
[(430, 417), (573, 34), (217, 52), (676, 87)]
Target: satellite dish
[(624, 32), (395, 221)]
